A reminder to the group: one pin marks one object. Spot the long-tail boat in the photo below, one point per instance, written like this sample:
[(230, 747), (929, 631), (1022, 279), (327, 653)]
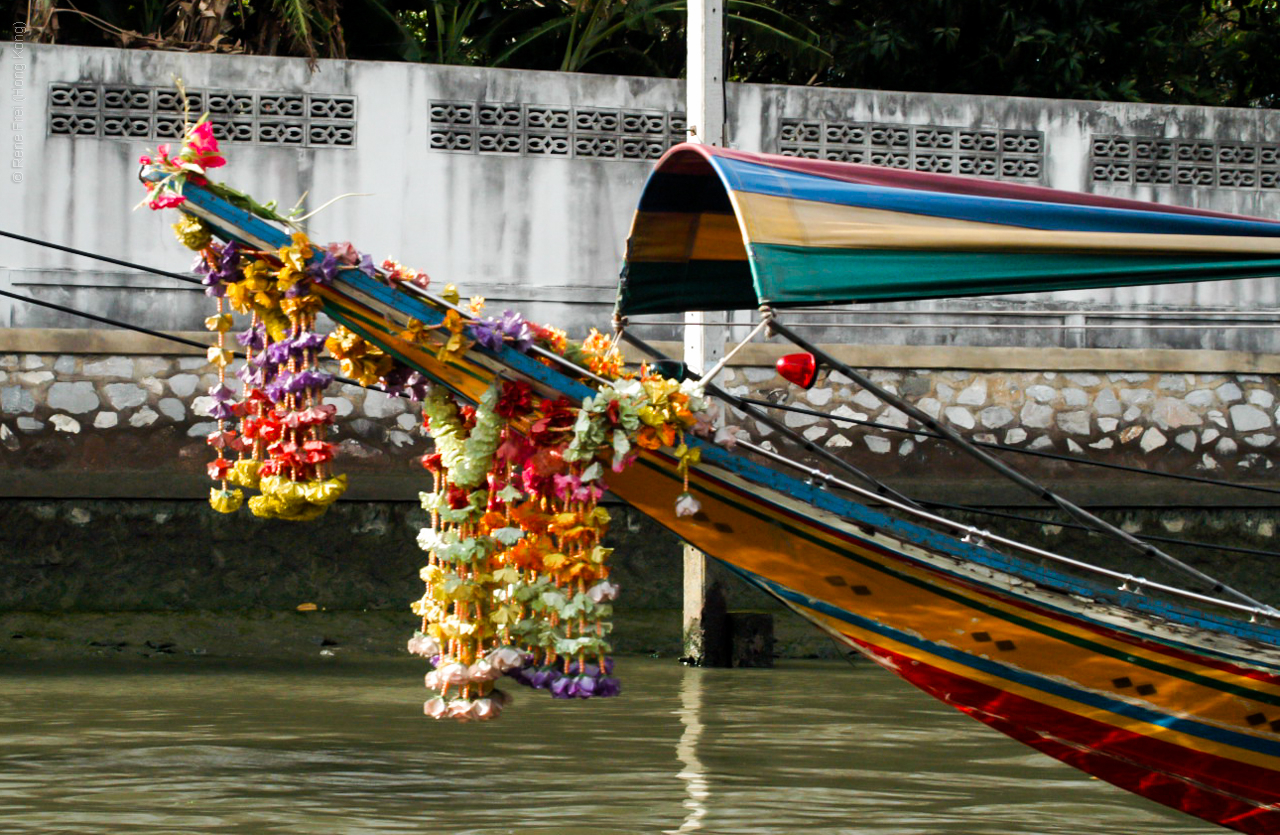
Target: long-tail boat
[(1169, 693)]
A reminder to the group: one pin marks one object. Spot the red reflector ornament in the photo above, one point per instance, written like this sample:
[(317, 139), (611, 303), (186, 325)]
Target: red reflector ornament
[(801, 369)]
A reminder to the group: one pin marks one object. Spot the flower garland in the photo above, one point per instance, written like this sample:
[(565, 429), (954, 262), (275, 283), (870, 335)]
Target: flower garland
[(517, 580), (279, 444)]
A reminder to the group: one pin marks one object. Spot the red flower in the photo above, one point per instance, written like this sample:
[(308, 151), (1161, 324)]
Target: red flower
[(219, 468), (433, 462), (458, 498), (516, 399)]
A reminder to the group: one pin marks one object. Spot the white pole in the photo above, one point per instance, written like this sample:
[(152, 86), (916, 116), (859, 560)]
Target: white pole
[(703, 346)]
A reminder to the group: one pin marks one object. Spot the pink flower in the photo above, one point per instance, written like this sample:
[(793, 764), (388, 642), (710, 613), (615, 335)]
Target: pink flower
[(163, 151), (344, 252), (167, 201), (144, 160), (204, 146)]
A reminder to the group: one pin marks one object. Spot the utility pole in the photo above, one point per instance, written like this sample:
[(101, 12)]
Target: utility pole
[(705, 627)]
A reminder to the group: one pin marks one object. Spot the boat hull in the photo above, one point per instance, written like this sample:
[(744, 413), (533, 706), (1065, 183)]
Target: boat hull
[(1178, 708)]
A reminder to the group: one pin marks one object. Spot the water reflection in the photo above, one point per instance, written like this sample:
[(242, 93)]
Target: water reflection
[(213, 748), (693, 773)]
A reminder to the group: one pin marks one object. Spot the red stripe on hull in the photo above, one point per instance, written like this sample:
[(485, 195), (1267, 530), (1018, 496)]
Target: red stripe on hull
[(1226, 792)]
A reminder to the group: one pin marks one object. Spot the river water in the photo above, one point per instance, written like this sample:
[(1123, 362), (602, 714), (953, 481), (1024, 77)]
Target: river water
[(208, 746)]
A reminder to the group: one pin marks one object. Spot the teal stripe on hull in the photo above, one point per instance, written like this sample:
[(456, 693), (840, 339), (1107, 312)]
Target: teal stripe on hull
[(800, 275)]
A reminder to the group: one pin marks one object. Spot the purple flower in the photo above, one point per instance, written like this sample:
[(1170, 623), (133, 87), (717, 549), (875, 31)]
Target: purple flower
[(309, 380), (562, 688), (543, 677), (366, 266), (253, 337), (276, 353), (584, 687), (221, 411), (517, 329), (299, 288), (492, 333), (608, 686), (307, 341), (324, 272), (488, 333), (221, 393), (274, 390)]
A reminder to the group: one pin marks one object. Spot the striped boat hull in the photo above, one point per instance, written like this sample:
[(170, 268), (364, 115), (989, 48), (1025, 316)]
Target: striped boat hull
[(1180, 708)]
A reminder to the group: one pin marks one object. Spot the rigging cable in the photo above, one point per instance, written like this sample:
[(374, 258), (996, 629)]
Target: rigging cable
[(1012, 474), (1190, 543), (203, 346), (1057, 456), (106, 258)]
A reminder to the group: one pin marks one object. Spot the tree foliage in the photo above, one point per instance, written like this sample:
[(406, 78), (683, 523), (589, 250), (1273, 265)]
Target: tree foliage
[(1214, 52)]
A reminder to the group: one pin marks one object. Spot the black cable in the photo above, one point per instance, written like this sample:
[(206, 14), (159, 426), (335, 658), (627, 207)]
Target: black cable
[(103, 319), (1009, 472), (204, 346), (1190, 543), (1057, 456), (105, 258)]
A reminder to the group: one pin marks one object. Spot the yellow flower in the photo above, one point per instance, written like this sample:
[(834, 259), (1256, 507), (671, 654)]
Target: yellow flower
[(414, 331), (240, 297), (219, 324), (192, 232), (476, 305), (301, 305), (225, 501), (450, 294), (219, 357)]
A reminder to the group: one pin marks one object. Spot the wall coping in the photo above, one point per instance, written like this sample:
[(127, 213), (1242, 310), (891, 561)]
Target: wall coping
[(100, 341)]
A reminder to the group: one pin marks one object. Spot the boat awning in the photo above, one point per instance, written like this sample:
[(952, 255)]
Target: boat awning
[(719, 229)]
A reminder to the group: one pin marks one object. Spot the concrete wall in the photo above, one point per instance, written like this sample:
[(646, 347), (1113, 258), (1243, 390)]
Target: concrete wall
[(519, 186)]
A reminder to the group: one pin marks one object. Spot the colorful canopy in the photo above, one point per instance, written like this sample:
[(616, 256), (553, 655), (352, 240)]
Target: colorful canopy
[(719, 229)]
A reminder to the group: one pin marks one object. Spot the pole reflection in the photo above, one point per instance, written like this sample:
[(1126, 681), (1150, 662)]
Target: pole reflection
[(694, 774)]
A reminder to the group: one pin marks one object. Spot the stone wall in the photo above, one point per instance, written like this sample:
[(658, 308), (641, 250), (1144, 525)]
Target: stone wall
[(77, 423), (1219, 425), (102, 470)]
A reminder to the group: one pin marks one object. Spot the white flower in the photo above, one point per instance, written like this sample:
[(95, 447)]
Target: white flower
[(687, 505), (482, 670), (454, 674), (435, 708), (461, 709), (483, 709), (602, 591), (424, 646), (506, 658), (727, 436)]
